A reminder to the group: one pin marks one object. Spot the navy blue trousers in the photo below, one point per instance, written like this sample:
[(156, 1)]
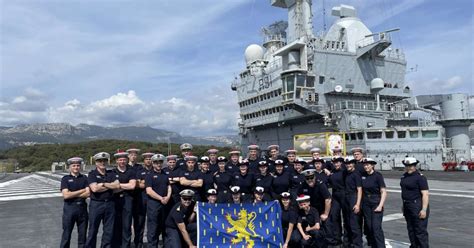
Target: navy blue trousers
[(373, 221), (155, 220), (101, 212), (417, 228), (354, 228), (74, 213), (123, 221), (139, 217)]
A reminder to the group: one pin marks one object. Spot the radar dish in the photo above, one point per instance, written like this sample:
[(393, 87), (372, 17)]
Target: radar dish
[(252, 53), (338, 88)]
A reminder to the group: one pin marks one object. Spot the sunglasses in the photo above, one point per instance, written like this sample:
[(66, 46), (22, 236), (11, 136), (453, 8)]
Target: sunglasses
[(309, 178), (187, 199)]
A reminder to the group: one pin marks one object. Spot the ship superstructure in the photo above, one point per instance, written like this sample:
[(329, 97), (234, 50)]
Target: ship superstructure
[(347, 80)]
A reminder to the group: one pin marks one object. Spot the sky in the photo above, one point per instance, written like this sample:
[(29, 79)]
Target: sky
[(169, 64)]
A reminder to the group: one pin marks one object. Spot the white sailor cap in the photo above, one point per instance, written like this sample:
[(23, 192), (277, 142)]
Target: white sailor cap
[(235, 189), (244, 162), (262, 163), (357, 149), (270, 147), (171, 157), (147, 154), (186, 193), (369, 161), (290, 151), (211, 192), (259, 190), (158, 158), (350, 160), (234, 152), (212, 151), (121, 154), (410, 161), (279, 162), (130, 150), (303, 198), (315, 149), (285, 195), (204, 159), (190, 158), (101, 155), (74, 160), (253, 147), (221, 159), (186, 146)]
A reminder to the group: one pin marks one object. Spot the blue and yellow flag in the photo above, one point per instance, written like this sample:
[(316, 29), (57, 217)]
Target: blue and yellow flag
[(239, 225)]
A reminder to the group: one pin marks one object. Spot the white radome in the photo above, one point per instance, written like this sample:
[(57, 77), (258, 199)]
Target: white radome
[(252, 53)]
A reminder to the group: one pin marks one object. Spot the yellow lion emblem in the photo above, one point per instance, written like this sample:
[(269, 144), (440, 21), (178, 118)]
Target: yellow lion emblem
[(244, 227)]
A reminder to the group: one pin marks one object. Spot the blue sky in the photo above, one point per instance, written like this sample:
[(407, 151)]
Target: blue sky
[(168, 64)]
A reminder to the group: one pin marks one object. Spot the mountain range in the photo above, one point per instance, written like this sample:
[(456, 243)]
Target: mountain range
[(63, 133)]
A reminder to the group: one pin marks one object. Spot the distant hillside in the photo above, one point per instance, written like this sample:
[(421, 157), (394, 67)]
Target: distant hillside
[(63, 133), (41, 156)]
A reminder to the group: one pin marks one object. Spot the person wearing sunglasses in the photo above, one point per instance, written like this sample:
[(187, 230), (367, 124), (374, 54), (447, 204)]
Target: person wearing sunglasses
[(180, 225)]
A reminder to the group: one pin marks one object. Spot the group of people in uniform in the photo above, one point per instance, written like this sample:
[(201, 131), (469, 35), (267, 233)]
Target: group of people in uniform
[(324, 203)]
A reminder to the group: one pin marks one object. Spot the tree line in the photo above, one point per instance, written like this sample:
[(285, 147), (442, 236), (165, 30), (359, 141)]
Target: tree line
[(41, 156)]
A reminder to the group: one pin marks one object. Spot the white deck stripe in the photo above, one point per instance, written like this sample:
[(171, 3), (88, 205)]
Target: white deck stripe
[(30, 193), (29, 189), (25, 197), (391, 217)]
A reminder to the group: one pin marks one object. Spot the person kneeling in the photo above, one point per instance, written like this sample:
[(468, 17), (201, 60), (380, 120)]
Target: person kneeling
[(309, 223), (180, 223)]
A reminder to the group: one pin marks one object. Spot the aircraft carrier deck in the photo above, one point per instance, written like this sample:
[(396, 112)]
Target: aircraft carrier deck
[(31, 210)]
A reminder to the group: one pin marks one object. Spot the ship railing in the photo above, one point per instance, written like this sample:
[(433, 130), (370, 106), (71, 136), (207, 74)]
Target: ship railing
[(368, 106), (274, 37)]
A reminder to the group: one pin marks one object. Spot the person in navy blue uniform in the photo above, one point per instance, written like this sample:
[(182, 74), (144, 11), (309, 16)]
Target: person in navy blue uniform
[(289, 219), (254, 158), (373, 200), (123, 197), (133, 158), (173, 173), (232, 165), (264, 180), (352, 203), (211, 196), (207, 177), (320, 173), (158, 190), (258, 195), (236, 195), (309, 223), (291, 158), (297, 178), (273, 155), (140, 198), (336, 182), (415, 198), (102, 183), (75, 191), (180, 223), (315, 154), (281, 180), (212, 154), (358, 154), (244, 180), (191, 178), (186, 150), (320, 199), (222, 181)]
